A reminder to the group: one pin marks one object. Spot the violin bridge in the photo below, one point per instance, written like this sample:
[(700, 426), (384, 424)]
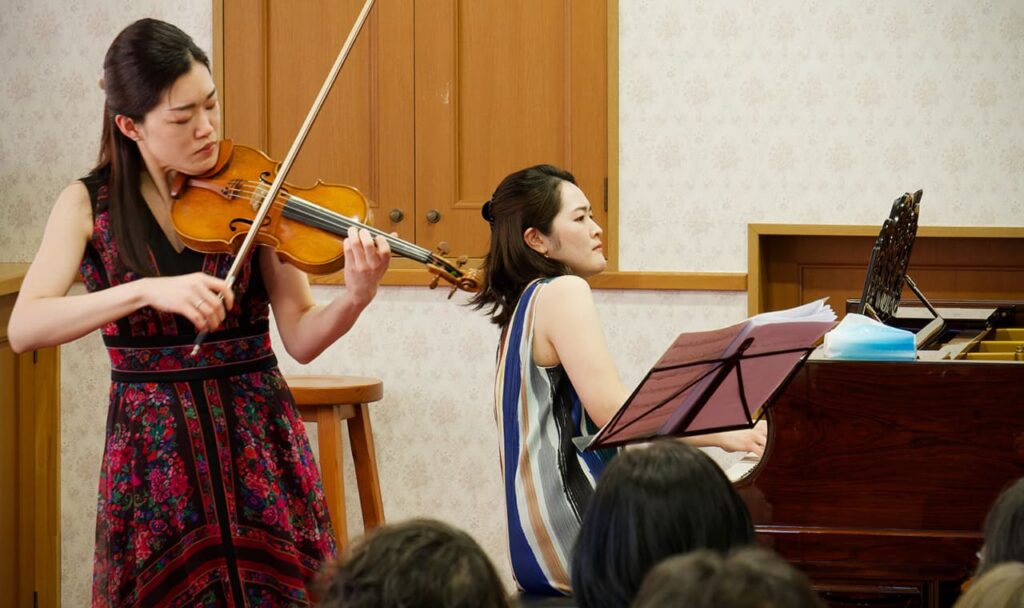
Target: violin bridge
[(257, 197)]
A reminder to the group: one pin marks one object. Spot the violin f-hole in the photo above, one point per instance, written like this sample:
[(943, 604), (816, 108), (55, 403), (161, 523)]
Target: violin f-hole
[(247, 223)]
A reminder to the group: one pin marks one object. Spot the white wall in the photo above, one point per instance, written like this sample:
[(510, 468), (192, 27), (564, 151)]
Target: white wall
[(731, 112)]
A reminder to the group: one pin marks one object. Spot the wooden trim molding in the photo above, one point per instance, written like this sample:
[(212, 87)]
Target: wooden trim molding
[(409, 275), (992, 232), (217, 58), (11, 276), (676, 281), (611, 193)]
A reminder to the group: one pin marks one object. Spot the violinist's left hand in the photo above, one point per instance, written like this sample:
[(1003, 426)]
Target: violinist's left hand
[(307, 328), (366, 259)]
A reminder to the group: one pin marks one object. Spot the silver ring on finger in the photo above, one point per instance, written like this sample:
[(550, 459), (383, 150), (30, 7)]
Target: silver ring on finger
[(199, 303)]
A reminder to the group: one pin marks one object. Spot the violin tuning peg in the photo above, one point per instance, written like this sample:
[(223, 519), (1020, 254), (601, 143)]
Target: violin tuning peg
[(443, 248), (435, 281)]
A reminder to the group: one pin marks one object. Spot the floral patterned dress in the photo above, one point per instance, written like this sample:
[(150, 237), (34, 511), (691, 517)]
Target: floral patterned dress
[(209, 494)]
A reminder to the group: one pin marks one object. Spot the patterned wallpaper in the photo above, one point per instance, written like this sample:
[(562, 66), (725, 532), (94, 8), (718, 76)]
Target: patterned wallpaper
[(814, 112), (730, 112)]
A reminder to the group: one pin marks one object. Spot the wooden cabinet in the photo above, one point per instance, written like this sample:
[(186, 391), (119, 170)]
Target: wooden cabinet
[(438, 100), (29, 464)]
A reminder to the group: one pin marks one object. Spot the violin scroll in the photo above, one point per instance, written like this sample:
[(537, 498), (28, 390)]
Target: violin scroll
[(457, 276)]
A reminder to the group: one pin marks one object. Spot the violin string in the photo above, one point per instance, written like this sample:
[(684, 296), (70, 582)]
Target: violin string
[(283, 198), (335, 220), (301, 209), (317, 216), (339, 225)]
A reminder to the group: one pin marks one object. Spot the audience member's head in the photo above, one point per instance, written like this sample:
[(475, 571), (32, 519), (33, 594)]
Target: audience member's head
[(1004, 529), (649, 504), (418, 563), (1001, 586), (749, 578)]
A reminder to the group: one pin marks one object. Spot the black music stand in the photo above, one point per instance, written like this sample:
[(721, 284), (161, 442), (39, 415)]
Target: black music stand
[(715, 381), (887, 269)]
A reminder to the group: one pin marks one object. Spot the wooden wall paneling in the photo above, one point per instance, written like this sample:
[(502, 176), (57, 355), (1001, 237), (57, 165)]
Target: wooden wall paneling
[(800, 264)]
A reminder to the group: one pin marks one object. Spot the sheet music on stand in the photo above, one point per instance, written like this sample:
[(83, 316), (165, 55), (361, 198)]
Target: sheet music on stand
[(717, 380), (887, 268)]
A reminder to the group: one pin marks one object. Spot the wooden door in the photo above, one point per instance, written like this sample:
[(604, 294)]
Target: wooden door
[(29, 469), (39, 473), (438, 101), (9, 585), (501, 86)]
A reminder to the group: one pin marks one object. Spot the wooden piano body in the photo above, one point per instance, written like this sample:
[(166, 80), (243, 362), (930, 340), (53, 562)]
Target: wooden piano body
[(878, 475)]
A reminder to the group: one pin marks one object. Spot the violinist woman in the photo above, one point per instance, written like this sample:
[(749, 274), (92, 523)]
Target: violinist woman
[(555, 376), (209, 494)]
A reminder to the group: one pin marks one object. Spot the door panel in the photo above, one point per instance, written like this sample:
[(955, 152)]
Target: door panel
[(499, 86), (438, 100)]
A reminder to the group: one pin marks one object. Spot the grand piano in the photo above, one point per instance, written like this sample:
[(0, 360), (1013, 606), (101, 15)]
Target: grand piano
[(878, 475)]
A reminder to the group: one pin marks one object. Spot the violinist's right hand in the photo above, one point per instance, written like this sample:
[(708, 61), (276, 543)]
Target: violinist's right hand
[(196, 296)]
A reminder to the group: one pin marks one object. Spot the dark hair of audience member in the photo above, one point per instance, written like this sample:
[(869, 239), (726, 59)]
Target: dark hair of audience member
[(749, 578), (1004, 529), (420, 563), (649, 504), (1001, 586)]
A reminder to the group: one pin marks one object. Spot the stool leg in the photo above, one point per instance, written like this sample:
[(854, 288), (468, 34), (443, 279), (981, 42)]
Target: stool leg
[(332, 469), (361, 436)]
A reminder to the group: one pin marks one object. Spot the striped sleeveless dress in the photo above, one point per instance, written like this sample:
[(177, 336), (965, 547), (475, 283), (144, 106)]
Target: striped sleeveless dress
[(548, 482)]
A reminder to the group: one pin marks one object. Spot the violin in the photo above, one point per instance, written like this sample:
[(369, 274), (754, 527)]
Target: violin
[(273, 215), (214, 212)]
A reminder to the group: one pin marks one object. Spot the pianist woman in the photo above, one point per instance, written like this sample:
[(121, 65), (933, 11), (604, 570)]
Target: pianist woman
[(555, 376)]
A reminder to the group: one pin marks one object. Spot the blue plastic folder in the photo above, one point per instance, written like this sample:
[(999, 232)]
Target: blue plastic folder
[(861, 338)]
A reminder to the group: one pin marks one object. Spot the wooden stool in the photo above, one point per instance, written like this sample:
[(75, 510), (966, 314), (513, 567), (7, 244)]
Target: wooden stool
[(327, 400)]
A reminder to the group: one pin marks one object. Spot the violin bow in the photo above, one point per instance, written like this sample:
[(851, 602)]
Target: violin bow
[(271, 193)]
